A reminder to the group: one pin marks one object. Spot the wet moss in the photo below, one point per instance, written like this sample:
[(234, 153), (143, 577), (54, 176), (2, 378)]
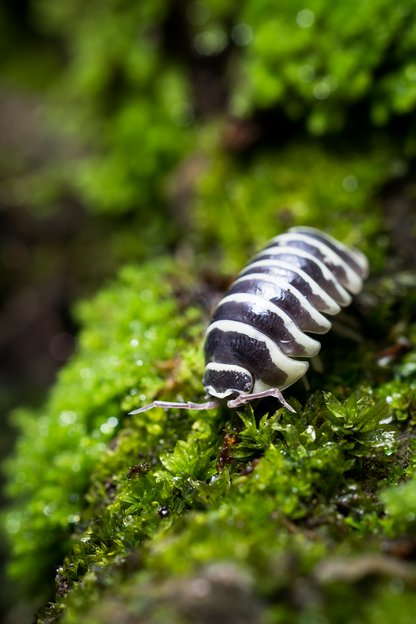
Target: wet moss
[(132, 328), (295, 492)]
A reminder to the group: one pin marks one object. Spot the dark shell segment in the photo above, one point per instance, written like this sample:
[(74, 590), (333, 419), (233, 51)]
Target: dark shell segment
[(311, 268), (293, 278), (319, 249), (225, 379), (230, 347), (355, 260), (270, 323), (338, 271), (284, 299)]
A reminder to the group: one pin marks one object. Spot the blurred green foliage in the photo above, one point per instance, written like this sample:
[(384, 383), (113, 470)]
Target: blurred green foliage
[(127, 94), (317, 62), (204, 129)]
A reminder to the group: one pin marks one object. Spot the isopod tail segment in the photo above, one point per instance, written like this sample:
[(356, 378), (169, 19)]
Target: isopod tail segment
[(241, 400)]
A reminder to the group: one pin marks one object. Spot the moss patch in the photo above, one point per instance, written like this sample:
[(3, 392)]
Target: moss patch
[(289, 496)]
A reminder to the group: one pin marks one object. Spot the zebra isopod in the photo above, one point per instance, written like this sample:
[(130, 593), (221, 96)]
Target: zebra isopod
[(257, 329)]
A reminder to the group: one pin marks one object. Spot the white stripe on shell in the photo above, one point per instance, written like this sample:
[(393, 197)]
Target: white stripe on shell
[(352, 282), (310, 345), (357, 255), (294, 369), (332, 307), (215, 366), (282, 282), (327, 274)]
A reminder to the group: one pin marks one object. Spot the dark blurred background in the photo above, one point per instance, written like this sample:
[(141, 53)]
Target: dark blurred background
[(51, 251)]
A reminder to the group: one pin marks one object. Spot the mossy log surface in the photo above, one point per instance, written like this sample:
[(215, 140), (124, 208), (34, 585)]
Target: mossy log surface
[(262, 515)]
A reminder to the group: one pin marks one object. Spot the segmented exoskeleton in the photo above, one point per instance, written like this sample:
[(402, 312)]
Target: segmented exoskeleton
[(258, 328)]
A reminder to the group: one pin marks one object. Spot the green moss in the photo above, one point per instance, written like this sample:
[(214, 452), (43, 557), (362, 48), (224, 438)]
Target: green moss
[(130, 326), (262, 520), (313, 477), (169, 497)]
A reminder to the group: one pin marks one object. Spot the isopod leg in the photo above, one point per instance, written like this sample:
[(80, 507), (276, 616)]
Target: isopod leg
[(246, 398), (191, 406)]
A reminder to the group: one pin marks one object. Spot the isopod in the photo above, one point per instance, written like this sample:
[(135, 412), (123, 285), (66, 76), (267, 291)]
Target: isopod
[(257, 330)]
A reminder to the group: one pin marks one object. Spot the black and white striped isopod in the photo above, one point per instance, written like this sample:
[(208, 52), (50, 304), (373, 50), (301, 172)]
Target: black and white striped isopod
[(257, 330)]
